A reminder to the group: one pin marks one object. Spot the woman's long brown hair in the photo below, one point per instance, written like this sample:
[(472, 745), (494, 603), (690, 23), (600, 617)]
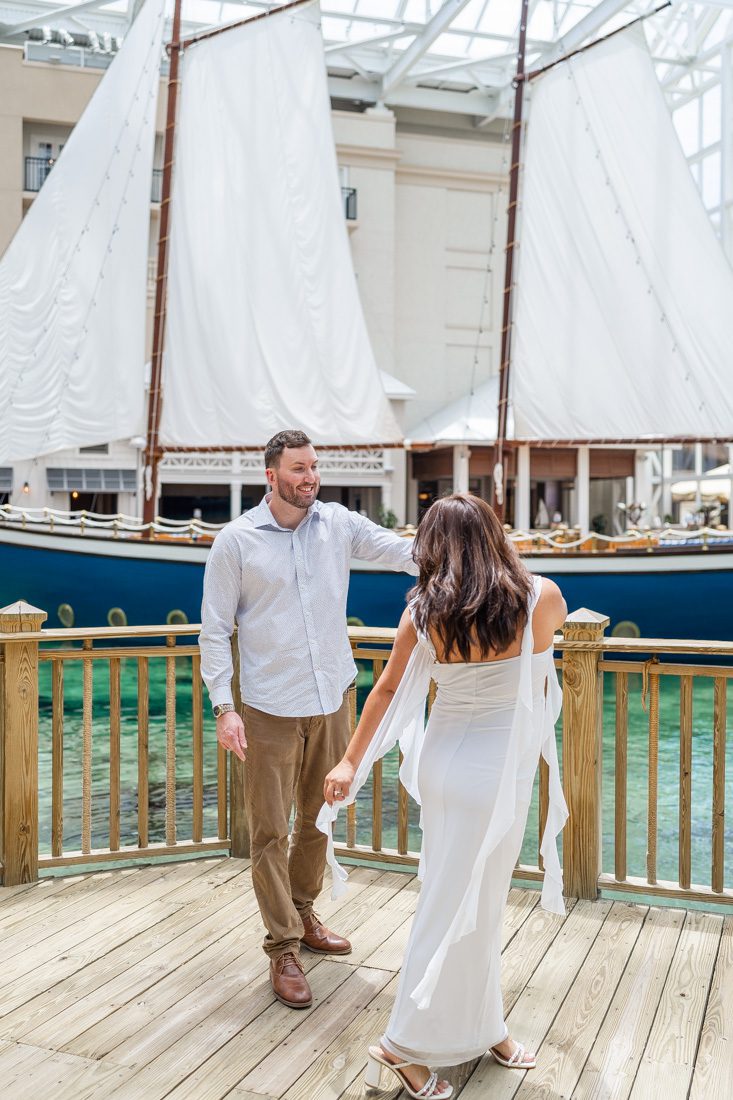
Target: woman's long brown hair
[(473, 589)]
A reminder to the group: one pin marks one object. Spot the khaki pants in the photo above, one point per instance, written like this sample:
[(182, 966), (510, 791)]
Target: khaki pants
[(287, 761)]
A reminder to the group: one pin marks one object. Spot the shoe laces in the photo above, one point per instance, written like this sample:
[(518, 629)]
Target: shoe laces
[(287, 959)]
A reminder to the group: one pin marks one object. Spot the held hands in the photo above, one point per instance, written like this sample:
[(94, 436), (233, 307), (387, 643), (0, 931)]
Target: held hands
[(230, 733), (338, 782)]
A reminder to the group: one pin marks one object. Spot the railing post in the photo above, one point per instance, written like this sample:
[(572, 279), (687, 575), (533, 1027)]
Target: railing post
[(19, 744), (238, 827), (582, 753)]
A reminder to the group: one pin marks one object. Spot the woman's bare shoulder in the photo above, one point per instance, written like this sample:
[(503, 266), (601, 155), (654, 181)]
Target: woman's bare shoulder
[(551, 607)]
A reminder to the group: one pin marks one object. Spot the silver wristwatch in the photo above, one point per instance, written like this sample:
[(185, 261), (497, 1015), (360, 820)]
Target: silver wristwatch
[(222, 708)]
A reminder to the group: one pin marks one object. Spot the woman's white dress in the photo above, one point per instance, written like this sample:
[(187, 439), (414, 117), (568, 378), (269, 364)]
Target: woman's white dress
[(472, 770)]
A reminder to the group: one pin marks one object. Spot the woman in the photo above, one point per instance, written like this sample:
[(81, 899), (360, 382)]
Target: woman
[(482, 627)]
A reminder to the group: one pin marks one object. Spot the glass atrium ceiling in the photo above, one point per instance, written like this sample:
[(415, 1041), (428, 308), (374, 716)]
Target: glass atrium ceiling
[(454, 55)]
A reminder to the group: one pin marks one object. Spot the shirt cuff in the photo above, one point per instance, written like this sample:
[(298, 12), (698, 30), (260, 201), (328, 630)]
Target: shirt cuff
[(221, 694)]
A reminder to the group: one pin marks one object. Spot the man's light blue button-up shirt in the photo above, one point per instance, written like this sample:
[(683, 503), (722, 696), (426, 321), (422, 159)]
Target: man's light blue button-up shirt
[(286, 590)]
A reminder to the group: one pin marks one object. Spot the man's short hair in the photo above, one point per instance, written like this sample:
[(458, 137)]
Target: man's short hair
[(278, 443)]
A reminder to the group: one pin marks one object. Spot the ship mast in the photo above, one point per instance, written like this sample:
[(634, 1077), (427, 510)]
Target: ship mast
[(152, 455), (498, 495)]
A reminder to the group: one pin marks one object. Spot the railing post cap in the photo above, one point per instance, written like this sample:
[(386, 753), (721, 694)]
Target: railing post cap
[(586, 621), (583, 616), (21, 616)]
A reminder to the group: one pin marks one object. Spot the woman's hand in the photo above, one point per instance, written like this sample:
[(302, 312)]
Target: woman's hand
[(338, 782)]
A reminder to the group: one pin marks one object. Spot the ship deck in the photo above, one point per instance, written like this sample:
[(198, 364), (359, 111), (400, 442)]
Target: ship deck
[(150, 982)]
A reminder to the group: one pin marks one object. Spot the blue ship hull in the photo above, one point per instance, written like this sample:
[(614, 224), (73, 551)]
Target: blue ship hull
[(686, 595)]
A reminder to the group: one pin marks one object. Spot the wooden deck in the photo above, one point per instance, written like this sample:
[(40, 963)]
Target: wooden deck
[(150, 982)]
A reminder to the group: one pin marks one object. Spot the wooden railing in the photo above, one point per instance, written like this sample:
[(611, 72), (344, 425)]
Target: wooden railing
[(601, 733)]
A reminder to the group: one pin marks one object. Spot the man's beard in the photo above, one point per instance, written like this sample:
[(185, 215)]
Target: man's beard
[(291, 496)]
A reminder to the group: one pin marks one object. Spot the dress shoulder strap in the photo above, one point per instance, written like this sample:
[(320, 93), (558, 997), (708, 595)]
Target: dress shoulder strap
[(423, 639)]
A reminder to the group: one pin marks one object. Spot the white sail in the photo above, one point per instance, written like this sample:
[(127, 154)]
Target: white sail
[(265, 329), (73, 280), (624, 309)]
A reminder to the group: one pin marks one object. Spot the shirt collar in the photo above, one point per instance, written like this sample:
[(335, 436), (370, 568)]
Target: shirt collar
[(263, 517)]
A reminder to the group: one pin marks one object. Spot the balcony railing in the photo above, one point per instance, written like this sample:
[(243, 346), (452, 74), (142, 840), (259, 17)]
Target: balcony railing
[(37, 170), (348, 194)]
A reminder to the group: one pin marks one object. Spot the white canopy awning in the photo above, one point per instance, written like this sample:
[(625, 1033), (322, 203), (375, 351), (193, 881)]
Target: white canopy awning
[(470, 419)]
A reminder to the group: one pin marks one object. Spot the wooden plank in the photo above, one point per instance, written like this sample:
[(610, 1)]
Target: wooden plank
[(57, 758), (115, 701), (170, 744), (665, 889), (579, 1020), (653, 781), (713, 1071), (198, 749), (620, 775), (535, 1009), (617, 1050), (203, 890), (685, 838), (215, 1056), (719, 738), (143, 710), (665, 1071), (343, 1061), (183, 848), (37, 965), (123, 652), (275, 1074)]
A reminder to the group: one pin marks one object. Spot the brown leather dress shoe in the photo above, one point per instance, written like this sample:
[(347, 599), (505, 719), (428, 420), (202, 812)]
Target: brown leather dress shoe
[(289, 983), (316, 937)]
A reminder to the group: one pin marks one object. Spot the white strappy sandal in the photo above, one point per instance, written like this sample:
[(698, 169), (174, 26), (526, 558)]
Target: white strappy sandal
[(516, 1059), (377, 1062)]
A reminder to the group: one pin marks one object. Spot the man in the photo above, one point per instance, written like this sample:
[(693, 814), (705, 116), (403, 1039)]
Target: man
[(281, 573)]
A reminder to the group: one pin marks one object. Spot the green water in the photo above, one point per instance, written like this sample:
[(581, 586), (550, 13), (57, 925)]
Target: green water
[(668, 797)]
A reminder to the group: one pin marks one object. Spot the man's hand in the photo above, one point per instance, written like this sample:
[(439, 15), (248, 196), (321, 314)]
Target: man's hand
[(338, 782), (230, 733)]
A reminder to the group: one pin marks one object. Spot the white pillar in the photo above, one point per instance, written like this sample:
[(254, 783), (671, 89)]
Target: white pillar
[(582, 489), (461, 460), (235, 488), (698, 475), (666, 482), (522, 520)]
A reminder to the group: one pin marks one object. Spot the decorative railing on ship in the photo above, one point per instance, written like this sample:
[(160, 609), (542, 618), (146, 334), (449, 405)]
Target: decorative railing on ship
[(560, 540), (631, 720)]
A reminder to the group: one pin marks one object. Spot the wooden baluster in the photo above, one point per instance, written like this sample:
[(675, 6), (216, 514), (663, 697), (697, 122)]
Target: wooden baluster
[(685, 840), (170, 744), (543, 808), (719, 732), (582, 754), (377, 782), (238, 824), (143, 694), (403, 817), (651, 839), (114, 754), (86, 750), (351, 810), (622, 735), (221, 791), (19, 744), (57, 758), (197, 832)]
